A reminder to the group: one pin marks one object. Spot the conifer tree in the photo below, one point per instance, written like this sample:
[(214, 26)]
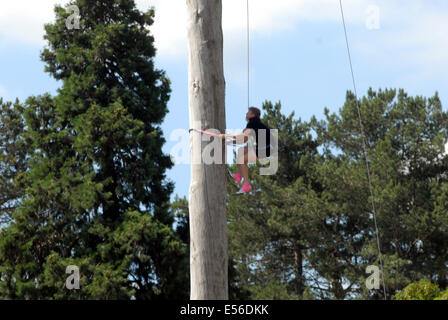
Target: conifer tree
[(13, 155), (96, 194), (320, 205)]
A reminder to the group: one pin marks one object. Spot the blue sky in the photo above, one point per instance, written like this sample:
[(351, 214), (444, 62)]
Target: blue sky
[(298, 54)]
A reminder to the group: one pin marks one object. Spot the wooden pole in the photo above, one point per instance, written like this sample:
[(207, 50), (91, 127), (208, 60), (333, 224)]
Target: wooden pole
[(207, 194)]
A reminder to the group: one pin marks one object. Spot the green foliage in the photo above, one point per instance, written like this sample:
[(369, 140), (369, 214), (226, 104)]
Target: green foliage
[(13, 152), (273, 290), (311, 228), (443, 295), (421, 290), (94, 192)]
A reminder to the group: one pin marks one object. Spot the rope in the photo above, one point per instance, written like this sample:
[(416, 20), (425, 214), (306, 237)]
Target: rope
[(205, 132), (365, 150)]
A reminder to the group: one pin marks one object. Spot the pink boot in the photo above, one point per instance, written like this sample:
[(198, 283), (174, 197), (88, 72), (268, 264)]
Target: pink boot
[(245, 188), (237, 177)]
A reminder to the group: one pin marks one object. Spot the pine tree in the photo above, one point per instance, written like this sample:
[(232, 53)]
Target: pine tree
[(405, 138), (319, 202), (96, 194), (13, 154)]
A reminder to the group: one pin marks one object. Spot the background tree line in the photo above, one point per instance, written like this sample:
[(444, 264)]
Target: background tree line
[(309, 233), (83, 183)]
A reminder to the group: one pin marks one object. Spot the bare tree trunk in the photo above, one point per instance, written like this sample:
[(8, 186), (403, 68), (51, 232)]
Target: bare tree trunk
[(207, 203), (298, 267)]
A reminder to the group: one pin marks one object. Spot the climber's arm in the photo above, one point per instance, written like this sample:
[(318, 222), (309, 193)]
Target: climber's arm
[(243, 136)]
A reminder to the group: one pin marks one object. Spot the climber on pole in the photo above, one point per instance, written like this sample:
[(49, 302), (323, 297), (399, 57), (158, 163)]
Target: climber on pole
[(249, 153)]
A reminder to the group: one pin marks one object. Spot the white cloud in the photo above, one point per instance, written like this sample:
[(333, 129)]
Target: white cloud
[(22, 20), (169, 28), (267, 18), (415, 29)]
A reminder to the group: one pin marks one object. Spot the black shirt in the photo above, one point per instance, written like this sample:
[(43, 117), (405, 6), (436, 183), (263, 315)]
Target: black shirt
[(256, 124)]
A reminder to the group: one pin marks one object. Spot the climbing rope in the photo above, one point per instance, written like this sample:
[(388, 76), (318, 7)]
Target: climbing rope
[(205, 132), (365, 150)]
